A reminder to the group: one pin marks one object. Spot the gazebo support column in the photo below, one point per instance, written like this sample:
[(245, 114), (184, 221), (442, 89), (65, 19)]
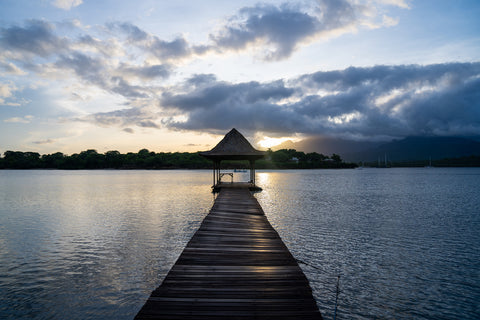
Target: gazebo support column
[(252, 171), (214, 173), (233, 146)]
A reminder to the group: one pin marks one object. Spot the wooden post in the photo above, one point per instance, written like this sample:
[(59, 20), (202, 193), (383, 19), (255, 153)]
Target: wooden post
[(214, 168), (252, 171), (254, 178)]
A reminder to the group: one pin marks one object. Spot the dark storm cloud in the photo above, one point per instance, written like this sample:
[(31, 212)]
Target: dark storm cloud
[(259, 116), (223, 93), (453, 111), (36, 37), (383, 78), (393, 101), (283, 27)]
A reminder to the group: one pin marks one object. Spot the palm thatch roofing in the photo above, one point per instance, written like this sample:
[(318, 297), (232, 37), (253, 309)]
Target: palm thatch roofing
[(233, 146)]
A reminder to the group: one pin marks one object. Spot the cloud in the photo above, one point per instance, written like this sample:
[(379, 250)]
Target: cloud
[(282, 28), (7, 89), (41, 142), (98, 72), (25, 119), (120, 86), (277, 31), (100, 62), (86, 67), (213, 93), (176, 49), (10, 68), (37, 37), (148, 124), (66, 4), (108, 48), (147, 72), (399, 3), (134, 33), (128, 62), (7, 95), (381, 101), (137, 116), (123, 59)]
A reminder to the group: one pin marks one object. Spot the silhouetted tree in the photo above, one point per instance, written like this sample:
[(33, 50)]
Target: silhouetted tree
[(21, 160), (55, 160), (113, 159), (336, 158), (91, 159)]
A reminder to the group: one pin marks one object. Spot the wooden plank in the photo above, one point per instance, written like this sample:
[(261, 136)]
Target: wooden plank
[(235, 267)]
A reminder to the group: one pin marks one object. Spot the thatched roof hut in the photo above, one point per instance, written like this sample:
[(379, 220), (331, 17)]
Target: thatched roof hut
[(233, 146)]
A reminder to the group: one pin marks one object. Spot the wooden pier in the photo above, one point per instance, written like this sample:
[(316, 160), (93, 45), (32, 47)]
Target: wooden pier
[(234, 267)]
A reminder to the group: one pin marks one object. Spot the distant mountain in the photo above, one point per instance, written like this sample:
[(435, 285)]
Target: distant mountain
[(420, 148), (407, 149), (327, 145)]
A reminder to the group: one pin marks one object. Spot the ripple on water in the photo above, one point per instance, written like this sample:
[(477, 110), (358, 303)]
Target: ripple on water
[(403, 241), (94, 244)]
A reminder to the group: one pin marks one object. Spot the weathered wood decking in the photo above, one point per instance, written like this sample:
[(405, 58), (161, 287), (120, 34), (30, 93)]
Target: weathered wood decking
[(234, 267)]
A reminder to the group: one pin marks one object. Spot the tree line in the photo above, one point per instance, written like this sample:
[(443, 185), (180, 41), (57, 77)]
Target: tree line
[(145, 159)]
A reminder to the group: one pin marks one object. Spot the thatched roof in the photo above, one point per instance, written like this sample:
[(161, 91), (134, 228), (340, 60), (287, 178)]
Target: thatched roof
[(233, 146)]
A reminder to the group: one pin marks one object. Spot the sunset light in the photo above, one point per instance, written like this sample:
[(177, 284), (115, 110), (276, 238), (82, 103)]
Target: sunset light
[(268, 142), (175, 78), (129, 127)]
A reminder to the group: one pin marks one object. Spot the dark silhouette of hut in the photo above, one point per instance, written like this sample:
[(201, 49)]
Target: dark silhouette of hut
[(233, 146)]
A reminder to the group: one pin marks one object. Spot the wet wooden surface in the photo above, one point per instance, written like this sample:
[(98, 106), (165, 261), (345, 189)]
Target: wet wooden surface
[(234, 267)]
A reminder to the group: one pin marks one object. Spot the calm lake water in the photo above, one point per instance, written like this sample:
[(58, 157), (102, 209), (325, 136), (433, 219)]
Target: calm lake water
[(94, 244)]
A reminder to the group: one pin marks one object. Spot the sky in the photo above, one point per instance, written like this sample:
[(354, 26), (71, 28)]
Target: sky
[(178, 75)]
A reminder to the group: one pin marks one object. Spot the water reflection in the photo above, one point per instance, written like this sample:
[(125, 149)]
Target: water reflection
[(403, 240), (94, 242)]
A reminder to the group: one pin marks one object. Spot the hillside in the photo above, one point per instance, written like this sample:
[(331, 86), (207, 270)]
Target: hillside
[(419, 148), (327, 145), (407, 149)]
